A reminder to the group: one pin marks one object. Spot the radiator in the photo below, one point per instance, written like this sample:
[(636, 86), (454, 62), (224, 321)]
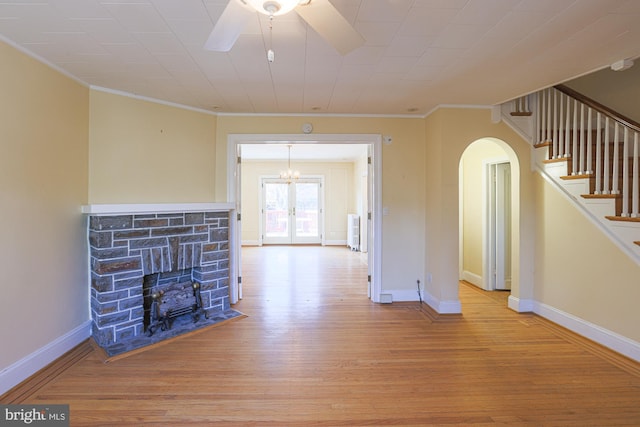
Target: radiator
[(353, 232)]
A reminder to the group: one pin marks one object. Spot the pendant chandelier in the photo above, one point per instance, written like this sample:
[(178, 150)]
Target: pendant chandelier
[(289, 175)]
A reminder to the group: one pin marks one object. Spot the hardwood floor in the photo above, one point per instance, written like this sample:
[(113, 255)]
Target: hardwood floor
[(314, 351)]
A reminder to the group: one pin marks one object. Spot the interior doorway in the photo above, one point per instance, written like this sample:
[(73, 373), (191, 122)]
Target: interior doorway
[(499, 226), (372, 218), (486, 203)]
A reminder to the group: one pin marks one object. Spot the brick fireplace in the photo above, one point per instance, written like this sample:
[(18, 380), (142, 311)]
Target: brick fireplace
[(127, 248)]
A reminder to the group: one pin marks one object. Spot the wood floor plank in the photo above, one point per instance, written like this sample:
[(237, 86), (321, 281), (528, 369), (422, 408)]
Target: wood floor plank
[(314, 351)]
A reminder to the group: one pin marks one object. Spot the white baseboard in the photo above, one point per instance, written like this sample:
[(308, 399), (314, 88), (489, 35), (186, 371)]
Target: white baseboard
[(520, 305), (442, 307), (473, 278), (14, 374), (250, 243), (335, 243), (602, 336), (403, 295)]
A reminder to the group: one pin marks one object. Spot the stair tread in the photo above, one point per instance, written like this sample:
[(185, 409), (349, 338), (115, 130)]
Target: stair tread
[(623, 218), (561, 159), (602, 196), (583, 176)]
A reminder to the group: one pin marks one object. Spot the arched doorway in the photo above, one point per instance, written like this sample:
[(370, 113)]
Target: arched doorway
[(487, 200)]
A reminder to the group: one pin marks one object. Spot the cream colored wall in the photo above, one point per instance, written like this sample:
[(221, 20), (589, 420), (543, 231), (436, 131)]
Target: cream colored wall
[(618, 90), (43, 182), (339, 195), (449, 133), (473, 172), (145, 152), (402, 181), (579, 270)]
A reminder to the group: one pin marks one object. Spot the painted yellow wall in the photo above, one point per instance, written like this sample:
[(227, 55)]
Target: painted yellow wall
[(618, 90), (473, 173), (402, 181), (449, 133), (579, 270), (43, 182), (339, 194), (145, 152)]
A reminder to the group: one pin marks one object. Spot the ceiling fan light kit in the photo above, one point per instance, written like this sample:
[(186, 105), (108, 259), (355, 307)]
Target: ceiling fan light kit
[(272, 7), (320, 15)]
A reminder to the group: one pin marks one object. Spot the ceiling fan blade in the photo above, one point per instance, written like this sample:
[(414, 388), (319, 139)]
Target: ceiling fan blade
[(231, 23), (325, 19)]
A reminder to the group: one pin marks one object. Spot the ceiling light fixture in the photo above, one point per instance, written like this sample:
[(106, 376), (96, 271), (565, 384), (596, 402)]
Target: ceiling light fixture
[(272, 7), (289, 175), (623, 64)]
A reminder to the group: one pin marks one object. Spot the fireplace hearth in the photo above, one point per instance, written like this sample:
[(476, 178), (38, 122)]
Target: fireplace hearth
[(181, 259)]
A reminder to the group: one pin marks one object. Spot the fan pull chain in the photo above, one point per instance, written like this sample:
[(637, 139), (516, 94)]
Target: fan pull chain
[(271, 55)]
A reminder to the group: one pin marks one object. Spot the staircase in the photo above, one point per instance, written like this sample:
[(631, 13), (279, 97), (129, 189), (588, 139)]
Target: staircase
[(589, 152)]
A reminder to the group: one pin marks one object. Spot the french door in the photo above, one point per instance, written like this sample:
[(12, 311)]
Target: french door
[(291, 212)]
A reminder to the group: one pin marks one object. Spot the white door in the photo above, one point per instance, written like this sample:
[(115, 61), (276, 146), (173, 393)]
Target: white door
[(500, 226), (235, 229), (291, 212)]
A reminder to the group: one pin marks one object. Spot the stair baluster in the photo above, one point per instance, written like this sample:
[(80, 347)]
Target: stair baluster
[(598, 188), (616, 157), (601, 150), (554, 132), (606, 156), (548, 138), (636, 178), (588, 170), (567, 129), (625, 173), (561, 149), (574, 163), (583, 131)]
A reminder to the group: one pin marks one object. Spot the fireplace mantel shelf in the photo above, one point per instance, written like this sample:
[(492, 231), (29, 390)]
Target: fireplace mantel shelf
[(119, 209)]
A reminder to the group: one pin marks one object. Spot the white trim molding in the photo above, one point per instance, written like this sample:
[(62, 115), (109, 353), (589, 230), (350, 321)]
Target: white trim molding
[(14, 374), (119, 209), (600, 335), (473, 278), (520, 305), (443, 307), (374, 141), (335, 243)]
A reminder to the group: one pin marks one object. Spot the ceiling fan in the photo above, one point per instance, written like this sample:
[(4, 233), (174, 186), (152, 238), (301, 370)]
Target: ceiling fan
[(321, 15)]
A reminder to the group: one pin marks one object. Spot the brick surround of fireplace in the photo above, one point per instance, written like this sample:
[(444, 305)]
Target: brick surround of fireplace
[(126, 248)]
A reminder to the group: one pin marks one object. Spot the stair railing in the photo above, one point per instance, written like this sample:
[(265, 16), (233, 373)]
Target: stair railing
[(578, 128)]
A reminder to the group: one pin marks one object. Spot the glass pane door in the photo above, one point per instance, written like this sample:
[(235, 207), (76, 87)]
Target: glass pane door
[(307, 212), (291, 211), (276, 212)]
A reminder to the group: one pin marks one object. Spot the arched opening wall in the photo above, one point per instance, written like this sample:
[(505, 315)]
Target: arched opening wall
[(486, 201), (449, 131)]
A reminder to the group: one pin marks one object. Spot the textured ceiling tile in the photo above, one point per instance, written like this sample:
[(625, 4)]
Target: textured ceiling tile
[(450, 51)]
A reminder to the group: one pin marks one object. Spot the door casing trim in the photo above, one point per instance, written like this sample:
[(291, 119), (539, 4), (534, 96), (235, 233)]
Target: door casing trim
[(375, 238)]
